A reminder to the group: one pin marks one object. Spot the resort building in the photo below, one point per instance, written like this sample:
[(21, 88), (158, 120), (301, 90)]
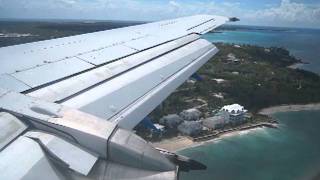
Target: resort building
[(219, 81), (232, 57), (171, 121), (160, 127), (236, 112), (218, 121), (190, 128), (191, 115)]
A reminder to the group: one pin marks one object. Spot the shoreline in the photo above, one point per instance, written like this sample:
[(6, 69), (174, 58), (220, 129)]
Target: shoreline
[(290, 108), (297, 65), (184, 142)]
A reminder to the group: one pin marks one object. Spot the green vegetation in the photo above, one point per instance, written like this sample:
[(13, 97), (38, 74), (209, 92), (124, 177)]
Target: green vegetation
[(260, 79)]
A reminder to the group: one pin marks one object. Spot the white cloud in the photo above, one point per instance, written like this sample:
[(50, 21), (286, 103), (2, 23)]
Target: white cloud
[(174, 3), (174, 6), (286, 13), (66, 1)]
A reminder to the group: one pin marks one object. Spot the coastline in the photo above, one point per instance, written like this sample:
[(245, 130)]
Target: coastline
[(175, 144), (183, 142), (296, 65), (289, 108)]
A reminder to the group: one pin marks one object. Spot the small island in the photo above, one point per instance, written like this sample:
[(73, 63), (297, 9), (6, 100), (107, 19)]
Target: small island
[(229, 94)]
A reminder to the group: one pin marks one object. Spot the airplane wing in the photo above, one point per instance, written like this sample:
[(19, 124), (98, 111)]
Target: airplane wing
[(67, 104)]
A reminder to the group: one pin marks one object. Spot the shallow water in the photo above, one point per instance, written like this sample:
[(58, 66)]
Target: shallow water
[(291, 152)]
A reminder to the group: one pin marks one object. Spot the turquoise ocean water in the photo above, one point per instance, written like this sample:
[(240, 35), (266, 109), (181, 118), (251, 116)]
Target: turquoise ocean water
[(291, 152)]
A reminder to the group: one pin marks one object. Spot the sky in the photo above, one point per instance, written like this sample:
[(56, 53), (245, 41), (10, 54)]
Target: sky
[(288, 13)]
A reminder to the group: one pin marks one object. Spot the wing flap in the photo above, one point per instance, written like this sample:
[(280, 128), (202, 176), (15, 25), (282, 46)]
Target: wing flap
[(75, 157)]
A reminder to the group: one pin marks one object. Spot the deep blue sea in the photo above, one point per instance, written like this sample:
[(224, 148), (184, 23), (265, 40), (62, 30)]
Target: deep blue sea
[(291, 152)]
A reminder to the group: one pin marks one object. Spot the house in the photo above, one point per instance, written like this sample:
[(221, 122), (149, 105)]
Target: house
[(191, 115), (237, 46), (190, 128), (232, 57), (160, 127), (218, 95), (219, 81), (218, 121), (215, 122), (171, 121), (236, 112)]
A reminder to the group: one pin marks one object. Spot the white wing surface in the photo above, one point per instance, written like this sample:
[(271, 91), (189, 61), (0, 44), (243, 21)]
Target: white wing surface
[(119, 75), (70, 99)]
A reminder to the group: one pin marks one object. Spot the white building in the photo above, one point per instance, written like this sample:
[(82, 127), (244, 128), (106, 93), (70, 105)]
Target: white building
[(160, 127), (219, 120), (232, 57), (235, 111), (219, 81)]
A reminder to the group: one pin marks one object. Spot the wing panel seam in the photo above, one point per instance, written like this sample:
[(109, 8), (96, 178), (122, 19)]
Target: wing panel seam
[(100, 65), (213, 19), (95, 85)]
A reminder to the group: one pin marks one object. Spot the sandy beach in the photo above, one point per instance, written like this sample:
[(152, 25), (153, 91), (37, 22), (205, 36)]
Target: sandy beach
[(296, 65), (182, 142), (288, 108), (178, 143), (174, 144)]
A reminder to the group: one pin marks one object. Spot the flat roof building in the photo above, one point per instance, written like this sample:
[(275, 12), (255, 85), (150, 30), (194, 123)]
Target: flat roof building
[(234, 109), (236, 112)]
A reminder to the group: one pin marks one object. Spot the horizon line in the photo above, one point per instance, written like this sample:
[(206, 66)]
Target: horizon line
[(138, 21)]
